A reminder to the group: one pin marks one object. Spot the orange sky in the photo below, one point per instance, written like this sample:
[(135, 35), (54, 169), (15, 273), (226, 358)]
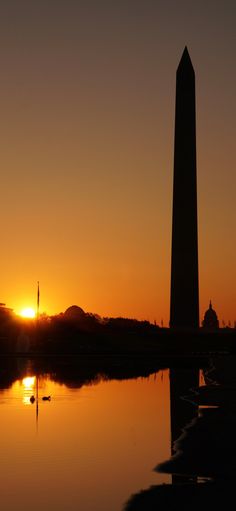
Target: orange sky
[(86, 133)]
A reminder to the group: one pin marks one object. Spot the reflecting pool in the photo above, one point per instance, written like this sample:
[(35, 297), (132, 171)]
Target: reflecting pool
[(89, 444)]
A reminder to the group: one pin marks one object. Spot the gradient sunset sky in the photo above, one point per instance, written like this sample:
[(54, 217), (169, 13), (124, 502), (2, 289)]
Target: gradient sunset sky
[(87, 95)]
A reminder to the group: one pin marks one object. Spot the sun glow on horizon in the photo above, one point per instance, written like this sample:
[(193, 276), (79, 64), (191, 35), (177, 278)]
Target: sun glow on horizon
[(28, 312)]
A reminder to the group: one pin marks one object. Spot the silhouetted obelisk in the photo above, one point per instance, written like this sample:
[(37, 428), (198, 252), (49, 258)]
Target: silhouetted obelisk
[(184, 308)]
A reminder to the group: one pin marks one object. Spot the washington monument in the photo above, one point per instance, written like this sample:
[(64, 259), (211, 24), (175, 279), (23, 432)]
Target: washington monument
[(184, 307)]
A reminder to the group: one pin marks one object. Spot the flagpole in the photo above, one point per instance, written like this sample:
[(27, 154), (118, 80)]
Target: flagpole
[(37, 402), (38, 298)]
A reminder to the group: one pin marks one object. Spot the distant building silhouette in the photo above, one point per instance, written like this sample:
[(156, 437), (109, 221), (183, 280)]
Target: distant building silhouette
[(74, 313), (184, 307), (210, 321)]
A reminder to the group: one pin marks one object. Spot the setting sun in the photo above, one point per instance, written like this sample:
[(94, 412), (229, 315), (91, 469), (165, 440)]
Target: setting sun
[(28, 312)]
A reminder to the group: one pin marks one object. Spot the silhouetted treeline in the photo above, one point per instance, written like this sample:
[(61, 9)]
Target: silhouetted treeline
[(72, 332), (76, 332), (74, 372)]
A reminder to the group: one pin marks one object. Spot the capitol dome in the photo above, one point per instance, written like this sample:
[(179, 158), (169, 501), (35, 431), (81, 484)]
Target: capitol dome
[(210, 321)]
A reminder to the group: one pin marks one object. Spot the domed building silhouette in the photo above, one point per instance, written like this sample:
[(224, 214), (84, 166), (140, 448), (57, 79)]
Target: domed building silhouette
[(74, 313), (210, 321)]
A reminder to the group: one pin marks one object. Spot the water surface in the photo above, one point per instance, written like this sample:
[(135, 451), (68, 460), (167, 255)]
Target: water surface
[(91, 447)]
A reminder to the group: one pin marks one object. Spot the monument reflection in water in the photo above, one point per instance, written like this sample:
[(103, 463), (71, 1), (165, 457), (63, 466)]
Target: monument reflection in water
[(202, 464), (99, 439)]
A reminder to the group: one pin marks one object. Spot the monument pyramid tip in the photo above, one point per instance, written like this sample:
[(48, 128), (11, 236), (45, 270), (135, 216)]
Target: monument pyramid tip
[(185, 60)]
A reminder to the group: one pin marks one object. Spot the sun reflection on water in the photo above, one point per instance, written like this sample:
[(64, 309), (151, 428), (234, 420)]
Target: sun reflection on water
[(28, 388), (29, 382)]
